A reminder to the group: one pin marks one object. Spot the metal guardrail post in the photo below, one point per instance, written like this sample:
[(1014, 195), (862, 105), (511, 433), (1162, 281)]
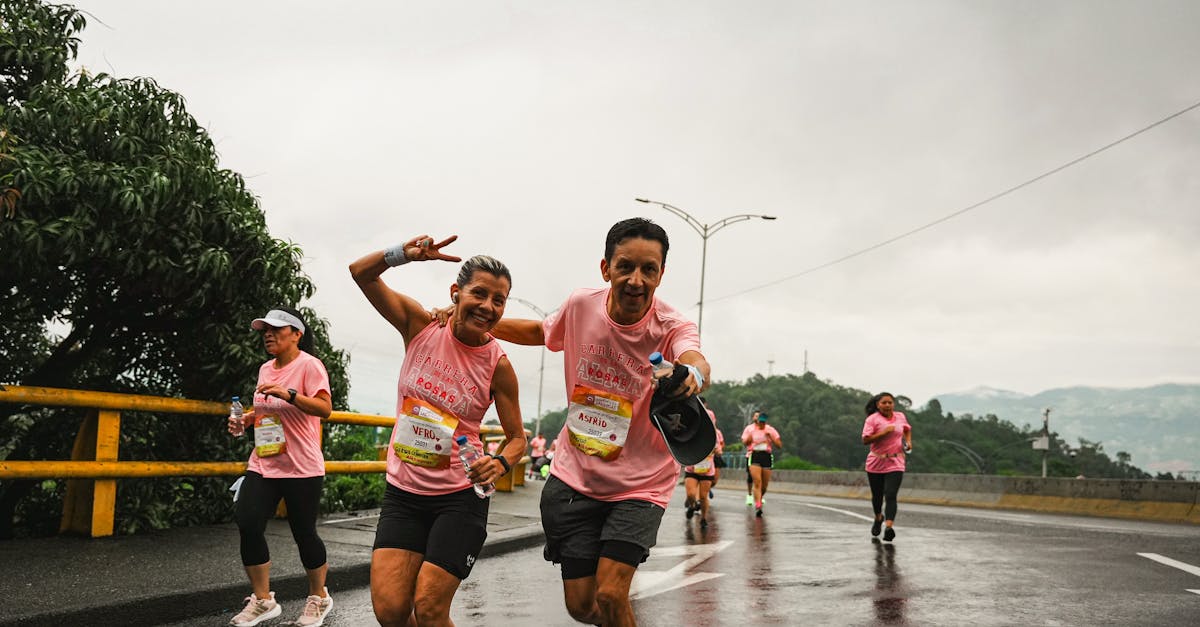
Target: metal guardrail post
[(89, 506)]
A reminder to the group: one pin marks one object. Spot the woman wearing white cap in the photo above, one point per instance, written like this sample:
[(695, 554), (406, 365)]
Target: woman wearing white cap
[(291, 398), (433, 522)]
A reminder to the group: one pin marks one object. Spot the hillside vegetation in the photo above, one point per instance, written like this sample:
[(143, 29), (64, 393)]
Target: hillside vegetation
[(821, 425)]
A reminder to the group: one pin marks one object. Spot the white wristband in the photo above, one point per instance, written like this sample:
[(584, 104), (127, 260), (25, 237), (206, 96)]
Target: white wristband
[(695, 373), (395, 256)]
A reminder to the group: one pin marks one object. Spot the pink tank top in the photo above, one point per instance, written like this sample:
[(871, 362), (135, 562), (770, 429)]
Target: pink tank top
[(444, 389)]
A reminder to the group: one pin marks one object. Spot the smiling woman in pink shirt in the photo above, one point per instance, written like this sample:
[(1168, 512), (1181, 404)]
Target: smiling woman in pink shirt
[(433, 521), (890, 437)]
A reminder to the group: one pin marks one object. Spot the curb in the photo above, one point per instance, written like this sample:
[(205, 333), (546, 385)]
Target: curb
[(213, 600)]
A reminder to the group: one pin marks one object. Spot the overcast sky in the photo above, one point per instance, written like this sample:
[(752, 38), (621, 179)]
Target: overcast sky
[(528, 128)]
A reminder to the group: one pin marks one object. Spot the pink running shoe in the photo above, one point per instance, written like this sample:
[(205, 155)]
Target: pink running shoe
[(256, 611), (315, 610)]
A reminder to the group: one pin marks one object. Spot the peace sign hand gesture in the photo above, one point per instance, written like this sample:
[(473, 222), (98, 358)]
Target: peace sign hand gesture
[(422, 248)]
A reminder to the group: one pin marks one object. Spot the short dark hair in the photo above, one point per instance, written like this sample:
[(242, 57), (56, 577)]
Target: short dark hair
[(635, 227)]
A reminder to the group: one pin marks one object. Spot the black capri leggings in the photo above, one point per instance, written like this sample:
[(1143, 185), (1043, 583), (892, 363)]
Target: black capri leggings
[(256, 504), (885, 485)]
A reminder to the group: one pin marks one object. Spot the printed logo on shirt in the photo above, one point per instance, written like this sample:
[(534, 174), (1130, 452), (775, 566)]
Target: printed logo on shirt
[(626, 380), (440, 382)]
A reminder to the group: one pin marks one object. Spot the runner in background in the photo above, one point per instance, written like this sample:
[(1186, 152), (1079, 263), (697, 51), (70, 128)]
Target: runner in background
[(537, 451), (700, 478), (760, 438), (890, 437), (749, 475)]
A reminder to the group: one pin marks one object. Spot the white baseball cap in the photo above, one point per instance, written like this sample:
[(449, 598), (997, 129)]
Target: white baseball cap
[(277, 319)]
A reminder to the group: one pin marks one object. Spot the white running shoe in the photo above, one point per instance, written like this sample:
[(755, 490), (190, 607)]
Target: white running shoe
[(256, 611), (315, 610)]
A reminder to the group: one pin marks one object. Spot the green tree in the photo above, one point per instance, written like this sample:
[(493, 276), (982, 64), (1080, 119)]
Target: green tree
[(132, 263)]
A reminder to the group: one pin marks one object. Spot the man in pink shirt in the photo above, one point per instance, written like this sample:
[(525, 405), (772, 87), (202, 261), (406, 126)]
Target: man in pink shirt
[(612, 475)]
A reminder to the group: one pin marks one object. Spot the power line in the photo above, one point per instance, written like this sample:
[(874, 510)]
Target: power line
[(945, 218)]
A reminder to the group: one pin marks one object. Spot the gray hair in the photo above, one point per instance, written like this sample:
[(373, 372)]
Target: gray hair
[(482, 263)]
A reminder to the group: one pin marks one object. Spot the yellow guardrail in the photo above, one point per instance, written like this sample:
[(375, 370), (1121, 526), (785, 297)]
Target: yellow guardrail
[(93, 470)]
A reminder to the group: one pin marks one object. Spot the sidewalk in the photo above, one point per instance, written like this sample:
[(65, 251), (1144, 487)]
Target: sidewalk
[(174, 574)]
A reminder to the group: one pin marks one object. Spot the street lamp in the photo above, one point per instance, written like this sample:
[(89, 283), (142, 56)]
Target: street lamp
[(975, 458), (705, 231), (537, 425)]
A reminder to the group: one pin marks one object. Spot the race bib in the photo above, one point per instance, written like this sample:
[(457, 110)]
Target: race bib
[(761, 446), (703, 468), (268, 436), (598, 422), (424, 434)]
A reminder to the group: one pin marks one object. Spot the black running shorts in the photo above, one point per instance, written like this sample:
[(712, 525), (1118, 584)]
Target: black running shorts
[(761, 458), (580, 530), (448, 529)]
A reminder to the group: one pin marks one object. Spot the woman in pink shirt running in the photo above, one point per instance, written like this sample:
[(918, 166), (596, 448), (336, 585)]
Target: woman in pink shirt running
[(699, 478), (890, 437), (760, 440), (433, 521), (291, 398)]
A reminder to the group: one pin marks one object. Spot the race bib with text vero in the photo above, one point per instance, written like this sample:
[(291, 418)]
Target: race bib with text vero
[(424, 434)]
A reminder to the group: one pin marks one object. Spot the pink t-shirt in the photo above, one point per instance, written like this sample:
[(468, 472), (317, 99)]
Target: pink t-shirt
[(760, 439), (887, 453), (444, 389), (609, 450), (302, 456), (706, 467), (538, 447)]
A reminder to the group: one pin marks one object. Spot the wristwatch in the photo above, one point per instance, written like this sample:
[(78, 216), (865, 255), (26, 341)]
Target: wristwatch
[(291, 396)]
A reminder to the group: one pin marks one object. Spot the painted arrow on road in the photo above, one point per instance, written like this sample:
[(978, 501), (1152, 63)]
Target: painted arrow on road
[(648, 583)]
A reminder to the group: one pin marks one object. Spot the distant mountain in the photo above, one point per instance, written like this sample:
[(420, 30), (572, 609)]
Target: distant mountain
[(1156, 425)]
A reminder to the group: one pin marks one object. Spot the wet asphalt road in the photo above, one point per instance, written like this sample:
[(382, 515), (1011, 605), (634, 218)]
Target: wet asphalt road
[(811, 561)]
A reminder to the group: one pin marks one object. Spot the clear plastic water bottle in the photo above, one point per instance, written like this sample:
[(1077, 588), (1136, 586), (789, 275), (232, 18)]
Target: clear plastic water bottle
[(469, 456), (235, 410), (662, 367)]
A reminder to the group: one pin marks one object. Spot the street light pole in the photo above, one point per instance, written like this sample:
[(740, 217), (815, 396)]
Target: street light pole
[(705, 231), (537, 424), (1045, 434)]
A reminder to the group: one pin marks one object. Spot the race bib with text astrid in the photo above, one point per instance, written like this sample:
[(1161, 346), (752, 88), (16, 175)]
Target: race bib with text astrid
[(598, 422), (424, 434)]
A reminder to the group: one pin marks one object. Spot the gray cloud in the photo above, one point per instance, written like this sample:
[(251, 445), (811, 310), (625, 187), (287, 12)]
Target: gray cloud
[(528, 128)]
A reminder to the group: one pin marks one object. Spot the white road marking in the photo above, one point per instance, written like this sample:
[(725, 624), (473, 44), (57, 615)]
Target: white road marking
[(1187, 568), (842, 511), (648, 583), (1194, 591), (342, 520)]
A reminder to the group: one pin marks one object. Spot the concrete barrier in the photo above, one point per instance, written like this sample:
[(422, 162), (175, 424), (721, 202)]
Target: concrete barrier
[(1163, 501)]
